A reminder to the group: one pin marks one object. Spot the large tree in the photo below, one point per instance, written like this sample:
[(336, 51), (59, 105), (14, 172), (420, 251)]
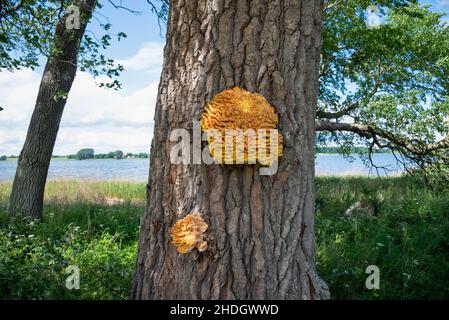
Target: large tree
[(386, 87), (29, 182), (261, 228), (34, 28)]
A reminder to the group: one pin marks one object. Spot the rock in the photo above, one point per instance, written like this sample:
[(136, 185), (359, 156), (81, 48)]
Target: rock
[(361, 208), (113, 201)]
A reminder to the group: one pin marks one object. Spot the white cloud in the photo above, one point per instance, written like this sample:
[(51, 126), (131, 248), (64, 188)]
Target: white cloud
[(94, 117), (104, 139), (17, 96), (88, 105), (148, 58)]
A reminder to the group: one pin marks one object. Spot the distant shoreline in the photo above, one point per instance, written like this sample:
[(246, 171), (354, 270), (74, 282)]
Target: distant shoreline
[(326, 164)]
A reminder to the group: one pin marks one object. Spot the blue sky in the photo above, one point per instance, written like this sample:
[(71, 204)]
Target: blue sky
[(439, 5), (142, 30), (94, 117)]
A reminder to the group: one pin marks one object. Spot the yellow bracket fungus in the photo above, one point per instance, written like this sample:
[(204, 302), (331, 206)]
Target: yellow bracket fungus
[(241, 128), (188, 233)]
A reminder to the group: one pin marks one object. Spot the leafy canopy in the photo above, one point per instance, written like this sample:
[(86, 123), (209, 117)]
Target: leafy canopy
[(392, 80), (27, 34)]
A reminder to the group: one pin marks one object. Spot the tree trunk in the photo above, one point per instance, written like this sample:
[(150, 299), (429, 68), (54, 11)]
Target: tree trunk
[(262, 226), (29, 182)]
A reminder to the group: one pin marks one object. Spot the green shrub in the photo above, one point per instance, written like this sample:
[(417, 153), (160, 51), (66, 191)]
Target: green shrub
[(100, 241), (408, 240)]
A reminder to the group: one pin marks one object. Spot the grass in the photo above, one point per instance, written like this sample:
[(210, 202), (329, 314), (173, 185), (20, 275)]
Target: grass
[(94, 225), (408, 240), (84, 225)]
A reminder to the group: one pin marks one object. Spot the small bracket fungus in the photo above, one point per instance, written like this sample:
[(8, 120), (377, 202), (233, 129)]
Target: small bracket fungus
[(188, 233), (241, 128)]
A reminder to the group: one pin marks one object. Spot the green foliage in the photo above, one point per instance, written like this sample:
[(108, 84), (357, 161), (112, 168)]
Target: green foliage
[(395, 75), (27, 29), (100, 240), (27, 33), (86, 153), (21, 32), (60, 96), (435, 175), (26, 267), (407, 240), (143, 155), (118, 154), (3, 158)]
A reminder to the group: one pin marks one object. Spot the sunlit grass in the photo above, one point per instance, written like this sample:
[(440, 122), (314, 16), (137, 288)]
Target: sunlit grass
[(68, 192)]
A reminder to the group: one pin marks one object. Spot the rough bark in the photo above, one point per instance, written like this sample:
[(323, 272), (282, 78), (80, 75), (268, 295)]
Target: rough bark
[(29, 182), (261, 228)]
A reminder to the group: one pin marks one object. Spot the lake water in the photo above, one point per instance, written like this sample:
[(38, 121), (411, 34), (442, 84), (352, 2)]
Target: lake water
[(137, 169)]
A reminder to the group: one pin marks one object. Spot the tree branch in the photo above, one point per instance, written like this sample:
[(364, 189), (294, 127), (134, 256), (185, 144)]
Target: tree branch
[(13, 9), (372, 132), (120, 6), (329, 4), (354, 105), (351, 107), (337, 114)]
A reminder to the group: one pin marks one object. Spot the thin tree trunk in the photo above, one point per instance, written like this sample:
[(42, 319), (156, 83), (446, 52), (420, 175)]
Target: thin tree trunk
[(29, 182), (262, 226)]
